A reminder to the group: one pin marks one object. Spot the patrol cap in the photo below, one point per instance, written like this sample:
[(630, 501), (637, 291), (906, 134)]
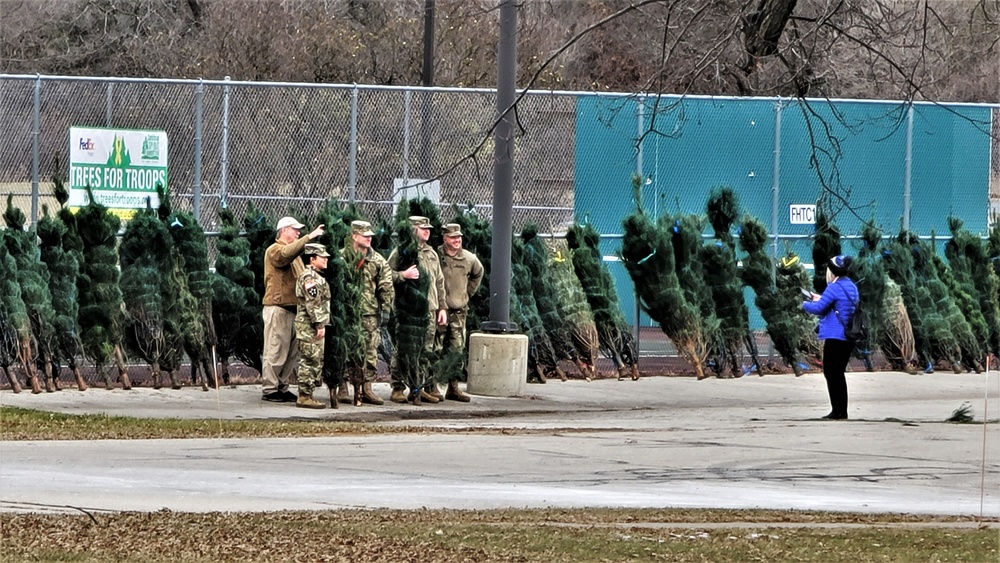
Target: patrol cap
[(420, 222), (363, 228), (452, 230), (288, 222), (315, 249)]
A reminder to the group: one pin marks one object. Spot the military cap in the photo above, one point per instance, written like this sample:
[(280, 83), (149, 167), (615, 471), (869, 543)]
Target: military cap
[(363, 228), (315, 249), (420, 222), (452, 230)]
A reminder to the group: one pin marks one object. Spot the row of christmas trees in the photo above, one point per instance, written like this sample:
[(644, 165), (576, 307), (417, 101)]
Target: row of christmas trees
[(924, 311), (73, 293)]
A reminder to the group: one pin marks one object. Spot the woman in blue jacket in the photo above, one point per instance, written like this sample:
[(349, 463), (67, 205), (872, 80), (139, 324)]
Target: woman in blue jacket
[(835, 308)]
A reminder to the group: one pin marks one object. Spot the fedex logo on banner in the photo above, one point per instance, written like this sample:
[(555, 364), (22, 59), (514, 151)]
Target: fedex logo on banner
[(86, 144)]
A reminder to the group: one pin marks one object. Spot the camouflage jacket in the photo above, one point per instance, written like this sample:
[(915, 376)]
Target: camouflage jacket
[(462, 275), (378, 292), (314, 303), (431, 264)]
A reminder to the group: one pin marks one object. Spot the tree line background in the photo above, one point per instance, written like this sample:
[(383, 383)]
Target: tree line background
[(944, 50)]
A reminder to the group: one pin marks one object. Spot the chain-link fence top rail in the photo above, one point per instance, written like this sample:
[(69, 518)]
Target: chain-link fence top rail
[(289, 147)]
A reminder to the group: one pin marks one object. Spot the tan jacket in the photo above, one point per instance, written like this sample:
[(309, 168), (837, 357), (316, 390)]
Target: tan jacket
[(462, 275), (282, 267), (431, 264)]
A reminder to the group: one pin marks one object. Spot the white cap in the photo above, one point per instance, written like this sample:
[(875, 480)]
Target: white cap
[(288, 222)]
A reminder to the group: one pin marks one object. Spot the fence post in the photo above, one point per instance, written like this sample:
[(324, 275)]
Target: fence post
[(108, 99), (407, 97), (909, 164), (199, 95), (640, 114), (776, 183), (224, 172), (35, 132), (352, 170)]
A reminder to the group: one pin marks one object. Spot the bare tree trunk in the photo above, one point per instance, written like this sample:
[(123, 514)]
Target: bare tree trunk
[(81, 384), (122, 371), (15, 385)]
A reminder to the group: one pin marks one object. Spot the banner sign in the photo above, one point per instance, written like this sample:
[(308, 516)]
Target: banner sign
[(121, 166)]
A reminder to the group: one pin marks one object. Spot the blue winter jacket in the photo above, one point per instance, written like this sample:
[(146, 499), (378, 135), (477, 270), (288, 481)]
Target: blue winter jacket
[(835, 308)]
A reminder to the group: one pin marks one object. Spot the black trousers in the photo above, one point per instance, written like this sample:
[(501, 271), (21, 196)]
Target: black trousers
[(836, 354)]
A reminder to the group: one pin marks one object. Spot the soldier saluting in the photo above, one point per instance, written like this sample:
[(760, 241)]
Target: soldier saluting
[(311, 319)]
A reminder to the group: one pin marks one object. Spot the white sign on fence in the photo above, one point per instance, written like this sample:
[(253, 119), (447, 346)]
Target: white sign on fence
[(121, 166), (800, 214), (414, 188)]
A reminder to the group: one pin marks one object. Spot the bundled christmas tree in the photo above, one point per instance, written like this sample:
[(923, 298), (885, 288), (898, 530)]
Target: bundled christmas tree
[(477, 238), (236, 311), (722, 276), (15, 329), (574, 308), (63, 270), (100, 295), (189, 242), (144, 255), (907, 262), (535, 257), (613, 332), (648, 255), (887, 329), (779, 306), (790, 277), (966, 299), (826, 245), (344, 354), (970, 264), (542, 360), (33, 277), (260, 234)]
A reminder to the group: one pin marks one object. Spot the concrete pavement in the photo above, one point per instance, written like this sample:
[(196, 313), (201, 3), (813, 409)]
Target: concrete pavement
[(755, 442)]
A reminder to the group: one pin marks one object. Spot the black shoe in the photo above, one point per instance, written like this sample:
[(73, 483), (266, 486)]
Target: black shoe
[(836, 416), (289, 397), (274, 397)]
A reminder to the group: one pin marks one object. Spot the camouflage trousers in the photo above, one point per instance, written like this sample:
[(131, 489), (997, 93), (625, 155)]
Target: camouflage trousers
[(430, 347), (452, 336), (372, 341), (310, 365)]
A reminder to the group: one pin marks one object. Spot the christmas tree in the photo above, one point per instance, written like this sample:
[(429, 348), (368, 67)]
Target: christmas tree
[(100, 295)]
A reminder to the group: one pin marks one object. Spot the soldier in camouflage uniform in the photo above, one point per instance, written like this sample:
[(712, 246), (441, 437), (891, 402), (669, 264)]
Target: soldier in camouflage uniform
[(310, 323), (376, 302), (437, 310), (463, 272)]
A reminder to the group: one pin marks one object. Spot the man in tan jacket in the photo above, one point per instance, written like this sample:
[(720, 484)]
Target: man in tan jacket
[(282, 267), (463, 272)]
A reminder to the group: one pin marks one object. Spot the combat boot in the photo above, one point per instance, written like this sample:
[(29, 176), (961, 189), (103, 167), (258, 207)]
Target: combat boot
[(398, 395), (426, 397), (369, 396), (333, 399), (455, 394), (343, 396), (307, 402), (432, 390)]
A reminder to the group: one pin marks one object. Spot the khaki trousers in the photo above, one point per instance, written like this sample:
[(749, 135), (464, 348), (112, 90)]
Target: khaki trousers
[(281, 355)]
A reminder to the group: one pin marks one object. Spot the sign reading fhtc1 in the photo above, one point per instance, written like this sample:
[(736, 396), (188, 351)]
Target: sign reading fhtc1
[(802, 214), (121, 166)]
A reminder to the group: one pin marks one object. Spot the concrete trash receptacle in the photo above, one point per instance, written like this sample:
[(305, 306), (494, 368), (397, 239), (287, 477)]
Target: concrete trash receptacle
[(498, 364)]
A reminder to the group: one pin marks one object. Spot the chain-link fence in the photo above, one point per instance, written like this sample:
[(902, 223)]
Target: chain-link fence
[(290, 147)]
